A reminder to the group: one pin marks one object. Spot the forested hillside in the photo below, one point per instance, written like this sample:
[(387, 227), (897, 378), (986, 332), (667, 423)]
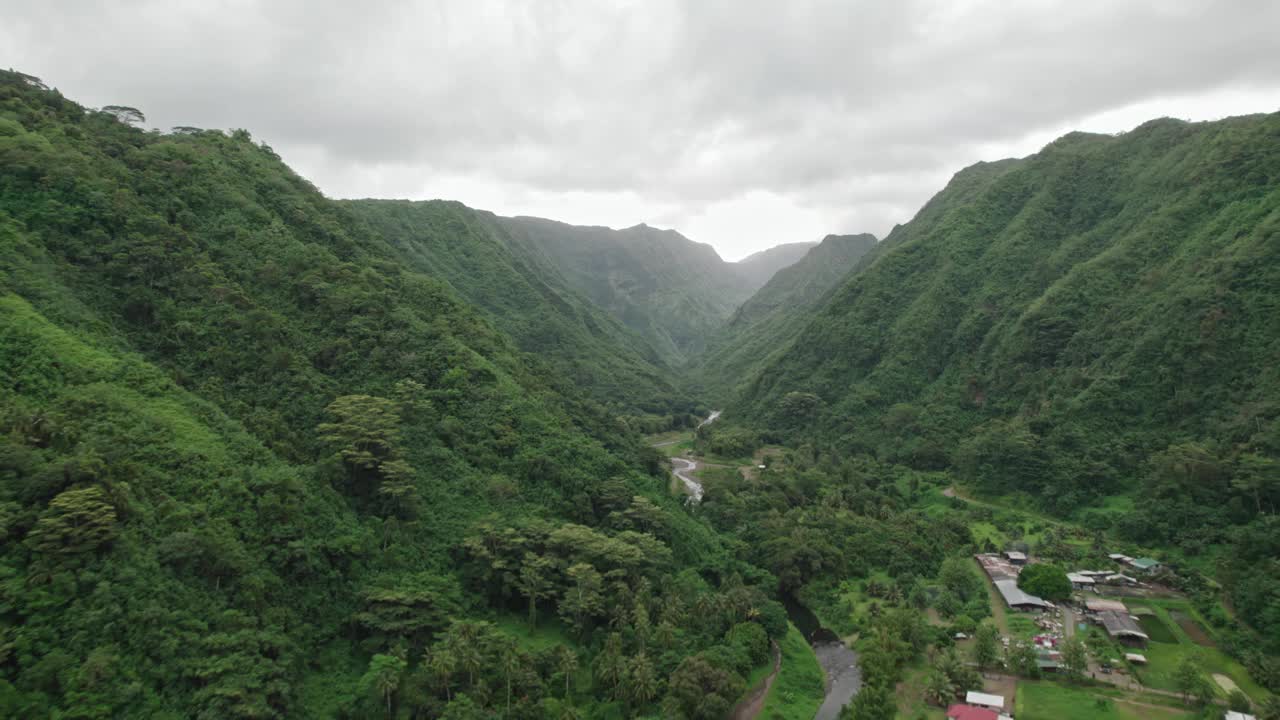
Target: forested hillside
[(1100, 319), (757, 268), (771, 318), (527, 299), (254, 463), (671, 290)]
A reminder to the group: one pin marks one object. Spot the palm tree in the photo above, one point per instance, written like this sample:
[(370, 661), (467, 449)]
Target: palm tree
[(442, 665), (644, 683), (510, 662), (566, 663), (938, 688)]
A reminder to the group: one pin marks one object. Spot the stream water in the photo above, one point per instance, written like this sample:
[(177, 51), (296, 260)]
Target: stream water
[(838, 661)]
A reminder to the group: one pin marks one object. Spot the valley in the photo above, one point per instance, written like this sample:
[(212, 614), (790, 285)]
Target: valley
[(270, 454)]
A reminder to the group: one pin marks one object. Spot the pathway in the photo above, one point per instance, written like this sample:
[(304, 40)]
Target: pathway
[(751, 706)]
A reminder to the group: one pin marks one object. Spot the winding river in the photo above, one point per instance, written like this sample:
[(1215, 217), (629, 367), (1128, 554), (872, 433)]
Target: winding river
[(683, 467), (838, 661)]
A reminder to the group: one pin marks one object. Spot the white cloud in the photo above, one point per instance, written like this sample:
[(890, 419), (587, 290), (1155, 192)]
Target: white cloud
[(742, 123)]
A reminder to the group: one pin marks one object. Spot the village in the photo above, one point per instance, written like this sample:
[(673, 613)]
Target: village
[(1137, 632)]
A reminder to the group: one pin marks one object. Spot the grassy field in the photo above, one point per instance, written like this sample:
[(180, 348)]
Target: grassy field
[(910, 695), (1163, 657), (1045, 700), (799, 688)]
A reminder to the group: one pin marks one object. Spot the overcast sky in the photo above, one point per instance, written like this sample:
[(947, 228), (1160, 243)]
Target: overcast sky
[(741, 124)]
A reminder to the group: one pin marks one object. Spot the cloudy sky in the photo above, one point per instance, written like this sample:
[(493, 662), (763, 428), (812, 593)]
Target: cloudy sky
[(742, 124)]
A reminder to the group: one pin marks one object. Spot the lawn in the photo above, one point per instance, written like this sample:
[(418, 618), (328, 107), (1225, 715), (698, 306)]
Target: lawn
[(800, 686), (1163, 658), (1045, 700), (1155, 628)]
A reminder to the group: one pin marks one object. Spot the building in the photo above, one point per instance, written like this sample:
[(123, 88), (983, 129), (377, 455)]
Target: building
[(1015, 557), (981, 699), (1080, 581), (1120, 558), (1233, 715), (1015, 598), (970, 712), (1146, 564), (1119, 579), (1099, 605), (1122, 627), (1136, 658)]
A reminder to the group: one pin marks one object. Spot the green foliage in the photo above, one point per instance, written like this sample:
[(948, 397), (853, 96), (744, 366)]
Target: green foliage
[(1046, 580)]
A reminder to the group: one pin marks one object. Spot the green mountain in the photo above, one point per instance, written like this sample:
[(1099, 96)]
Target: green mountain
[(1099, 319), (672, 291), (767, 322), (526, 298), (255, 461), (757, 268)]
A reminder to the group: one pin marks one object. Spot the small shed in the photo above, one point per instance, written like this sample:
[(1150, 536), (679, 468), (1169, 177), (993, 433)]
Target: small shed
[(981, 699), (1137, 658), (1145, 564), (1015, 557), (1233, 715)]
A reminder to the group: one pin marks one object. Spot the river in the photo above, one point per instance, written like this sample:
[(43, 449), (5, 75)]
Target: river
[(683, 467), (838, 661)]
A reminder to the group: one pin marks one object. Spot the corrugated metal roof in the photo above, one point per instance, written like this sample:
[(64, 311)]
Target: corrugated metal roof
[(1118, 624), (1013, 595)]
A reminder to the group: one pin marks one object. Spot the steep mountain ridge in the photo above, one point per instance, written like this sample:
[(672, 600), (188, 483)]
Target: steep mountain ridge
[(1097, 302), (526, 298), (757, 268), (672, 291), (771, 318)]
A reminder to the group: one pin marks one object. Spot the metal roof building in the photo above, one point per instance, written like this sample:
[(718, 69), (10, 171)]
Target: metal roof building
[(1014, 597), (1122, 626)]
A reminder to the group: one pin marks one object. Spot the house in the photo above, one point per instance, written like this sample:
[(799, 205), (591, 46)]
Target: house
[(1048, 660), (1015, 598), (1118, 557), (1017, 558), (1146, 564), (1122, 627), (981, 699), (1080, 581), (1119, 579), (1099, 605), (970, 712)]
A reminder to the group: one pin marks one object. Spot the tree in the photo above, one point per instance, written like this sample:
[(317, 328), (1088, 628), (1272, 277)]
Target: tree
[(938, 688), (534, 582), (1270, 708), (610, 666), (985, 642), (1188, 679), (510, 662), (584, 598), (1046, 580), (365, 429), (1238, 701), (1075, 660), (873, 702), (383, 677), (566, 665), (701, 691), (442, 663), (125, 114), (642, 684), (77, 521), (1020, 658)]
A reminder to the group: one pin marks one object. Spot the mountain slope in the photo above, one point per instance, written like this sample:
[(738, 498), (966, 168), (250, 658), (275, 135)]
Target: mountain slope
[(768, 321), (1095, 303), (526, 298), (672, 291), (252, 465), (757, 268)]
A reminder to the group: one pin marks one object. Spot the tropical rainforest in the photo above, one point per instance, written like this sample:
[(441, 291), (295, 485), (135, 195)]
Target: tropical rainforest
[(268, 454)]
